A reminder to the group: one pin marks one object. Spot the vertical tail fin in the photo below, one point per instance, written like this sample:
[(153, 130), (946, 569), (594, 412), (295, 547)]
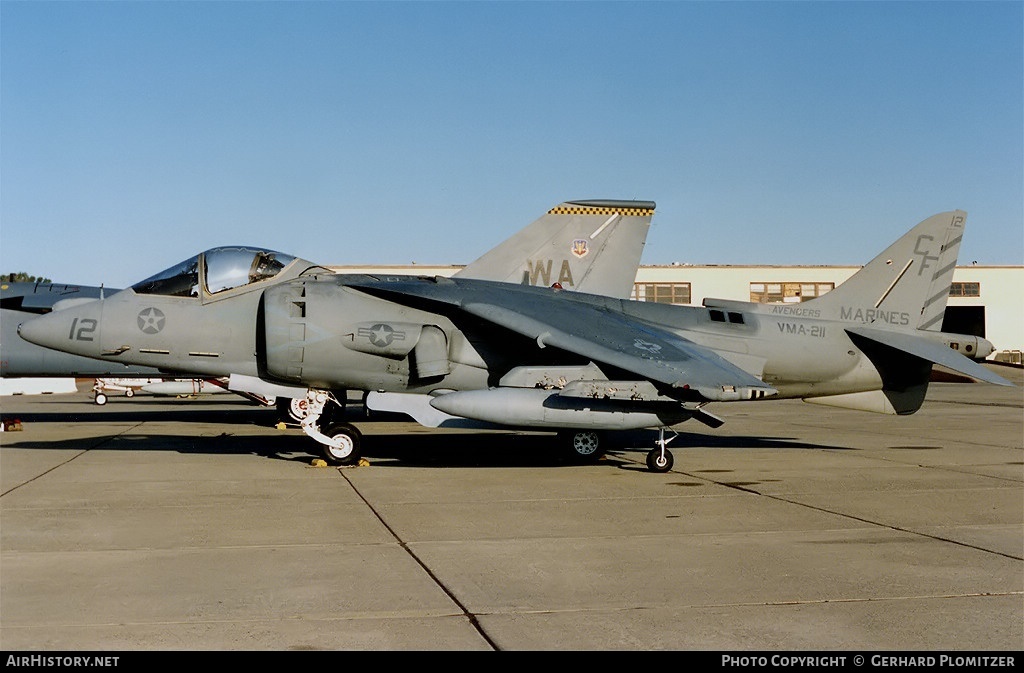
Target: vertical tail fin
[(588, 246), (907, 285)]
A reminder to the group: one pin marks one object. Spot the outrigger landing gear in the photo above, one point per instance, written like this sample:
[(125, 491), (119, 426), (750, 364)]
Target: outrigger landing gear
[(340, 444), (660, 459)]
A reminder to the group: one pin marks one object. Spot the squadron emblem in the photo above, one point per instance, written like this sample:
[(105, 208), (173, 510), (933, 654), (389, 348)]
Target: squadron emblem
[(580, 247), (151, 320)]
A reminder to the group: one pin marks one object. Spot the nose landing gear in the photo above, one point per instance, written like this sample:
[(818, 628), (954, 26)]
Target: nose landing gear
[(340, 442)]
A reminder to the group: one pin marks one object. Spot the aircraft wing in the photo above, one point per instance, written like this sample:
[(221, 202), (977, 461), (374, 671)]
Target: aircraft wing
[(931, 351), (596, 331), (607, 337)]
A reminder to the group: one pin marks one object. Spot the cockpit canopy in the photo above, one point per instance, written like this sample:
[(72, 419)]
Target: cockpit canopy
[(221, 269)]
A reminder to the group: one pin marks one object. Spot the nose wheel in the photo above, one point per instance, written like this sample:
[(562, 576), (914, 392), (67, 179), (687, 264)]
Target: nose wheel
[(344, 448), (660, 459), (339, 442)]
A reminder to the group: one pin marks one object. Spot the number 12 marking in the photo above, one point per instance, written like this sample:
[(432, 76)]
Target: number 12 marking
[(82, 329)]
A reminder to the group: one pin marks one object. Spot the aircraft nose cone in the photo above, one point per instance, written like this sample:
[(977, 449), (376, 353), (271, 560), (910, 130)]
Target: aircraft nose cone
[(68, 331), (35, 331)]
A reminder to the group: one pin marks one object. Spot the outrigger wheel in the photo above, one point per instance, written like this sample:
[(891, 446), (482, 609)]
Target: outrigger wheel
[(349, 441), (661, 459)]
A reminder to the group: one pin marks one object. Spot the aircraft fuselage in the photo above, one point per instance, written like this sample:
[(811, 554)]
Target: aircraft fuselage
[(318, 331)]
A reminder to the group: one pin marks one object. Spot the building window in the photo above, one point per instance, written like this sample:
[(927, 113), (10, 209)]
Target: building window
[(662, 293), (965, 290), (771, 293)]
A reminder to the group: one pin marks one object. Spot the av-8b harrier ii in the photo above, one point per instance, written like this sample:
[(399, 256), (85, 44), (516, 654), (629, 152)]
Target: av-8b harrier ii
[(207, 300), (472, 352)]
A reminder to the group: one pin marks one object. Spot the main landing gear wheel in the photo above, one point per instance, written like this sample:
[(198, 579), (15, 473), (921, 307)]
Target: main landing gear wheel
[(583, 446), (100, 399), (129, 393), (350, 440)]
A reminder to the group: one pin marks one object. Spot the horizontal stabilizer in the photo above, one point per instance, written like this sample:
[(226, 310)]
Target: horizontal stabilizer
[(931, 351)]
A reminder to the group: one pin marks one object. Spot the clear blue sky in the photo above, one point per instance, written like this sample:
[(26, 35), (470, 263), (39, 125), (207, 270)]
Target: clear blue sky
[(136, 134)]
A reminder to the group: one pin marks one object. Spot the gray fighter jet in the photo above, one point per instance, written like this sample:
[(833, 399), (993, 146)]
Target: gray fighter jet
[(582, 245), (468, 351), (591, 245)]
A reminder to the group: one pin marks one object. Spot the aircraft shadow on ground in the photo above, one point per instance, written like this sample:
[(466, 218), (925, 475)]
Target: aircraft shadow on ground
[(177, 412), (418, 449), (169, 409), (281, 447)]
